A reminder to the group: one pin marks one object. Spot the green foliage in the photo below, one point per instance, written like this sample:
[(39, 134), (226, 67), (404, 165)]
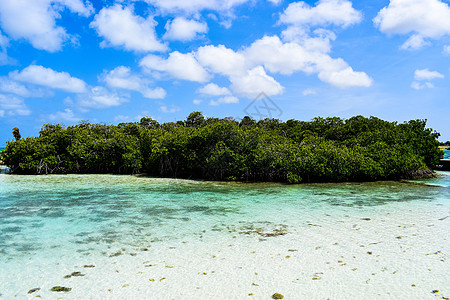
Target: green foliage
[(16, 133), (324, 149)]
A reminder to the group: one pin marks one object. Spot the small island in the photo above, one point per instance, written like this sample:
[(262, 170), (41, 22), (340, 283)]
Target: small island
[(321, 150)]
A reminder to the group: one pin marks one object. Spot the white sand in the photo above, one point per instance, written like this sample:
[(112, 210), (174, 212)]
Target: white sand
[(401, 255)]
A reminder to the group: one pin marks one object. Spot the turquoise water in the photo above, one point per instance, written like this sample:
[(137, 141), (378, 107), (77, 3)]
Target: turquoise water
[(446, 153), (442, 179), (50, 222), (37, 213)]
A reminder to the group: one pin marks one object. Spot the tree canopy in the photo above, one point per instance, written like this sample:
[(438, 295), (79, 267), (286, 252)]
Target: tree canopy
[(323, 149)]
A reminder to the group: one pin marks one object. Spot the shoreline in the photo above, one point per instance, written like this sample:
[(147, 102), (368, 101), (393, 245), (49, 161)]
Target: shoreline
[(419, 174)]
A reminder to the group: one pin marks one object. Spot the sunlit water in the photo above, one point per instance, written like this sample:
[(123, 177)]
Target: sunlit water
[(447, 154), (49, 224)]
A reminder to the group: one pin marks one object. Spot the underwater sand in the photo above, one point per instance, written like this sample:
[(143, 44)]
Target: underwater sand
[(134, 237)]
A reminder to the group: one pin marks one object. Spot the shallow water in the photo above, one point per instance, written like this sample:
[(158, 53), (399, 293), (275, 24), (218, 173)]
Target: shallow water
[(51, 225)]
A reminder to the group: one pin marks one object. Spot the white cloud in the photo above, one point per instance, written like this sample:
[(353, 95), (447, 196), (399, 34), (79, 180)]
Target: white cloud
[(12, 87), (13, 106), (420, 86), (78, 6), (47, 77), (178, 65), (414, 42), (193, 6), (222, 60), (4, 43), (318, 41), (256, 81), (119, 26), (423, 19), (346, 78), (66, 115), (223, 9), (121, 118), (224, 100), (172, 109), (122, 78), (278, 57), (326, 12), (446, 50), (287, 58), (99, 97), (246, 68), (35, 21), (426, 74), (308, 92), (213, 89), (306, 51), (197, 101), (184, 30)]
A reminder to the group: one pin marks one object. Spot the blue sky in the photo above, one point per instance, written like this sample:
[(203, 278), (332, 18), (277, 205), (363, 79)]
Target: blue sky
[(112, 61)]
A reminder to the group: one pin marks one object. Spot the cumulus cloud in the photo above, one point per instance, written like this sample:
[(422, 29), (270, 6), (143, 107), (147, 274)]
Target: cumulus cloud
[(346, 78), (4, 43), (421, 19), (255, 82), (420, 86), (446, 50), (287, 58), (279, 57), (213, 89), (426, 74), (169, 109), (100, 97), (47, 77), (246, 74), (35, 21), (193, 6), (326, 12), (120, 27), (308, 92), (13, 106), (309, 51), (301, 50), (414, 42), (197, 101), (222, 60), (178, 65), (423, 79), (12, 87), (246, 68), (122, 78), (67, 115), (224, 100), (317, 41), (184, 30)]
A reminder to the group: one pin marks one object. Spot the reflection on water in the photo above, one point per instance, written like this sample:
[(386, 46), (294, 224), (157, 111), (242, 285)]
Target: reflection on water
[(79, 212)]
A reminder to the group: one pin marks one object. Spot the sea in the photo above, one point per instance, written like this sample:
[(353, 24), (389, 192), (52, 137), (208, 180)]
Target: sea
[(137, 237), (447, 154)]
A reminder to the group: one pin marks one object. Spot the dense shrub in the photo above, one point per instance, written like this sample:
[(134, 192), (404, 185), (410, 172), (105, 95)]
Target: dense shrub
[(324, 149)]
